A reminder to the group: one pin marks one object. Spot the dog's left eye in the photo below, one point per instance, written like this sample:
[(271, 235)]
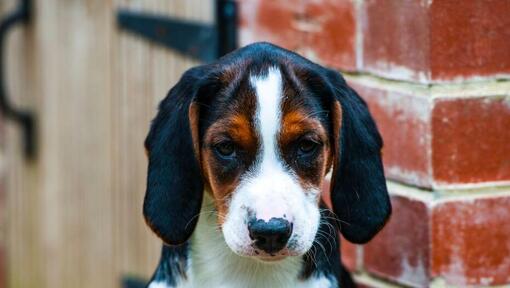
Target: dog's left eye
[(225, 149), (307, 146)]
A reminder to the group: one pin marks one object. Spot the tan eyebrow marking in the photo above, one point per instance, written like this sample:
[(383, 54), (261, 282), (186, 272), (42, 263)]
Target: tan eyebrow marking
[(238, 127), (296, 123)]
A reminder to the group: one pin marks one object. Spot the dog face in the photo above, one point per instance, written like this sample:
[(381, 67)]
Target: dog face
[(258, 130), (265, 154)]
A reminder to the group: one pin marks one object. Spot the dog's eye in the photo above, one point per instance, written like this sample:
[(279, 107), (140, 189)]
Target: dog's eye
[(307, 146), (225, 149)]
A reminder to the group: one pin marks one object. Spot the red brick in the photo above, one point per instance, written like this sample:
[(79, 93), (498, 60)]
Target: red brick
[(403, 121), (331, 32), (272, 21), (436, 40), (349, 254), (401, 250), (395, 38), (471, 241), (360, 285), (469, 38), (470, 140)]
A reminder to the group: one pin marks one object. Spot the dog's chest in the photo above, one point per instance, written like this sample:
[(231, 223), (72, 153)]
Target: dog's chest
[(236, 282), (213, 264), (228, 272)]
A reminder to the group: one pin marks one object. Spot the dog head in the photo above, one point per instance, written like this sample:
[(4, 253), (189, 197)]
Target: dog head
[(258, 130)]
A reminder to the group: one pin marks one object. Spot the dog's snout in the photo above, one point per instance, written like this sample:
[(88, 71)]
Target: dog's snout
[(270, 236)]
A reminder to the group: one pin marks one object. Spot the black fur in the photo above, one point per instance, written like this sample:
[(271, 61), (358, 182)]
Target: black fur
[(358, 189), (133, 282), (174, 184), (175, 187)]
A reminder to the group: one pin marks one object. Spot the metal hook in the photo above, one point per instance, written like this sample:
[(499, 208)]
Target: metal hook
[(21, 117), (201, 41)]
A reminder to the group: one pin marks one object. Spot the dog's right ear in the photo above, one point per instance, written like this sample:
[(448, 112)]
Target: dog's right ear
[(174, 182), (358, 187)]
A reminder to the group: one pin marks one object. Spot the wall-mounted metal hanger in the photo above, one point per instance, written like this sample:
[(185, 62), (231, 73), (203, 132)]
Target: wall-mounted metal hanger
[(204, 42), (21, 117)]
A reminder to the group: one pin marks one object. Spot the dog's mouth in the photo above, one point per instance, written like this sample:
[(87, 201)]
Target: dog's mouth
[(267, 257), (275, 258)]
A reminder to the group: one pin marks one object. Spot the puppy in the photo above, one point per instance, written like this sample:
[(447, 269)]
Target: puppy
[(238, 153)]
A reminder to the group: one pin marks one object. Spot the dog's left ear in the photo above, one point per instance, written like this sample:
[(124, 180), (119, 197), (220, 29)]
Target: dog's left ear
[(174, 182), (358, 186)]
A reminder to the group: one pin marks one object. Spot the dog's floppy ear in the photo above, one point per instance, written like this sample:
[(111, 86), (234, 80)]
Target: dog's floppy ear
[(358, 187), (174, 182)]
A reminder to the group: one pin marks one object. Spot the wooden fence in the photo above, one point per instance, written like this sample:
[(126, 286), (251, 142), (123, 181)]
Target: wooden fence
[(74, 216)]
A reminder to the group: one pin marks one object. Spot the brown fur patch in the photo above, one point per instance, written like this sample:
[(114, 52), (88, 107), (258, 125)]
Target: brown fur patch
[(336, 119), (297, 123), (193, 115)]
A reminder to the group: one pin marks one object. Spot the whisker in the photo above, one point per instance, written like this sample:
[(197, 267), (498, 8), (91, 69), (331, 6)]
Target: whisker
[(209, 212), (327, 237), (336, 218)]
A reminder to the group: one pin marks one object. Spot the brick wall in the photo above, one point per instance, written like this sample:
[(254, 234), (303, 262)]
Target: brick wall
[(436, 75)]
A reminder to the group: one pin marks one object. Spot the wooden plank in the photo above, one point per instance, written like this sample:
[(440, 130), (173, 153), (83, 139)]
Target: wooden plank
[(74, 216), (64, 199)]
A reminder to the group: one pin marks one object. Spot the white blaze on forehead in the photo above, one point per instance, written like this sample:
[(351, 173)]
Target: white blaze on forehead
[(268, 89)]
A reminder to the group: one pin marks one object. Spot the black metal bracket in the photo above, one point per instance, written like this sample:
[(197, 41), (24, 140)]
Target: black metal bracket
[(204, 42), (21, 117)]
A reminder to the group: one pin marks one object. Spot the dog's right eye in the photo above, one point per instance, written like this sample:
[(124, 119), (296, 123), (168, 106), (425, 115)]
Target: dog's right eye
[(225, 150)]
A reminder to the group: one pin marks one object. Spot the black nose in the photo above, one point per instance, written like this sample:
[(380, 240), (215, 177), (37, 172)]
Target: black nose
[(270, 236)]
